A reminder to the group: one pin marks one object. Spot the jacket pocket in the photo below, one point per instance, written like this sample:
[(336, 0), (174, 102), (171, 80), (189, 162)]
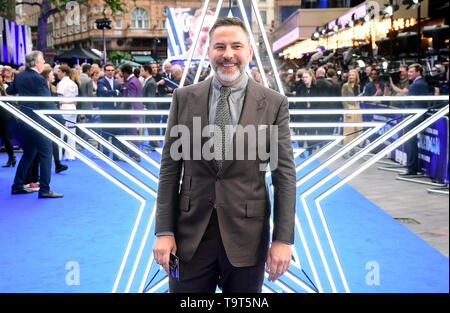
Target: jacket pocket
[(186, 184), (255, 208), (184, 203)]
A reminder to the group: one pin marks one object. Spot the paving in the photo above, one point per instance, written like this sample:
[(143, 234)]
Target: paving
[(424, 213)]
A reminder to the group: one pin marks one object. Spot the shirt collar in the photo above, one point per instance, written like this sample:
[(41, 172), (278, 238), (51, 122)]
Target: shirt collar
[(146, 79), (236, 88)]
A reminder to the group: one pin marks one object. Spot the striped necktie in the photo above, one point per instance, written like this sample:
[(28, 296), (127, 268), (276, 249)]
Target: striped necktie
[(222, 118)]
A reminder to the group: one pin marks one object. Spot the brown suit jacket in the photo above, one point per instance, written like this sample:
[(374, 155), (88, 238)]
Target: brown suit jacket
[(239, 189)]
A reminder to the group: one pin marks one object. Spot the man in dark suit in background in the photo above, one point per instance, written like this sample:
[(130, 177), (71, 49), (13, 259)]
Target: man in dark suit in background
[(418, 87), (218, 221), (149, 90), (107, 86), (31, 83), (86, 89)]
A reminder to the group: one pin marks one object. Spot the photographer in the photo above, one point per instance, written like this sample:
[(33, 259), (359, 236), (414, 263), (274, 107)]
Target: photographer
[(400, 88), (374, 87)]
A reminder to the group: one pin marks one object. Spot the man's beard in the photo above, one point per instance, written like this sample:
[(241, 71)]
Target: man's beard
[(228, 78)]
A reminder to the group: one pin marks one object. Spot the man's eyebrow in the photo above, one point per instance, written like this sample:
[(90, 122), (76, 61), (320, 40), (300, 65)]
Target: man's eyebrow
[(233, 43)]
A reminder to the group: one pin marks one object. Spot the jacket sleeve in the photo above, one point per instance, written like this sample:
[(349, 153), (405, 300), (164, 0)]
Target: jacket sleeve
[(283, 179), (12, 90), (102, 92), (169, 177), (42, 90)]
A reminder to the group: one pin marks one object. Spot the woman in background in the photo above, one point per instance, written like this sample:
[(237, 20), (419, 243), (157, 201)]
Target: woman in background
[(50, 78), (351, 89), (4, 124)]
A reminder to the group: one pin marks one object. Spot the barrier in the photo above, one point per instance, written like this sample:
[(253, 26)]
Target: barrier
[(328, 253), (433, 143)]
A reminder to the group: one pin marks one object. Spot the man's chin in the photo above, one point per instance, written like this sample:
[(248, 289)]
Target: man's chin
[(229, 77)]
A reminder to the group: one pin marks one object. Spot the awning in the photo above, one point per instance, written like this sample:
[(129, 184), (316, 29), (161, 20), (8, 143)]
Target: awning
[(143, 58), (129, 62), (78, 53)]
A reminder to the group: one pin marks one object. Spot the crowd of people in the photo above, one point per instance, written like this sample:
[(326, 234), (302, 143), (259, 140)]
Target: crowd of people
[(159, 80), (88, 80), (325, 80)]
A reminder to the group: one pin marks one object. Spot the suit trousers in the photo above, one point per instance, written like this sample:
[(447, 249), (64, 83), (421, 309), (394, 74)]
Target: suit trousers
[(412, 149), (210, 267), (33, 142)]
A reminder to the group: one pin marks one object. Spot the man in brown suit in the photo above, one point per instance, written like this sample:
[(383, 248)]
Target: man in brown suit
[(218, 222)]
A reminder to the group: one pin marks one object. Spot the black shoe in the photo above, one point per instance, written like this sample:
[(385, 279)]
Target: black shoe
[(61, 168), (11, 162), (50, 194), (20, 191)]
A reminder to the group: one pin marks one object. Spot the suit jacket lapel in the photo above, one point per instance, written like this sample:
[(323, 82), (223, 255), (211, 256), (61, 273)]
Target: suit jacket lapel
[(200, 108)]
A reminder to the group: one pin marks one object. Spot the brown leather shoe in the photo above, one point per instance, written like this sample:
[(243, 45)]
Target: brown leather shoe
[(50, 194)]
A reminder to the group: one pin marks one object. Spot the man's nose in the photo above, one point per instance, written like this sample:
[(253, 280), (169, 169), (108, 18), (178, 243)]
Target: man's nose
[(228, 53)]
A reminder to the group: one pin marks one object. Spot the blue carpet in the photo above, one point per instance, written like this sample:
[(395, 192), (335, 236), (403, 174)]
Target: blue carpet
[(77, 243)]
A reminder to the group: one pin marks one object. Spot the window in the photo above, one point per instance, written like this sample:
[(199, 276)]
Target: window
[(63, 26), (69, 29), (83, 21), (56, 27), (263, 16), (118, 23), (140, 18)]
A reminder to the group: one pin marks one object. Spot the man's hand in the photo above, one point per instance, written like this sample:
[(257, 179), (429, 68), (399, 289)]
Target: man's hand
[(162, 248), (278, 259)]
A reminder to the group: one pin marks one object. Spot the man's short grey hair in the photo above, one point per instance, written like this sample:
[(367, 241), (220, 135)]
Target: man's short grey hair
[(228, 21), (320, 72), (31, 58), (176, 68)]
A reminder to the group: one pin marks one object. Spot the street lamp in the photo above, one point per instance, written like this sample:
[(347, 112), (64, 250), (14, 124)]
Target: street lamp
[(103, 23)]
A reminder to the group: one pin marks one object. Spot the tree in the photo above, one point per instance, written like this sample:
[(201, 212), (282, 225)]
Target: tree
[(50, 7), (117, 56)]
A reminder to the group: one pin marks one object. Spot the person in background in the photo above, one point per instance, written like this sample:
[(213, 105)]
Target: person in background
[(399, 89), (107, 86), (149, 90), (95, 75), (67, 88), (8, 75), (4, 124), (418, 87), (351, 89), (133, 89), (311, 90), (31, 83), (374, 87), (50, 78)]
